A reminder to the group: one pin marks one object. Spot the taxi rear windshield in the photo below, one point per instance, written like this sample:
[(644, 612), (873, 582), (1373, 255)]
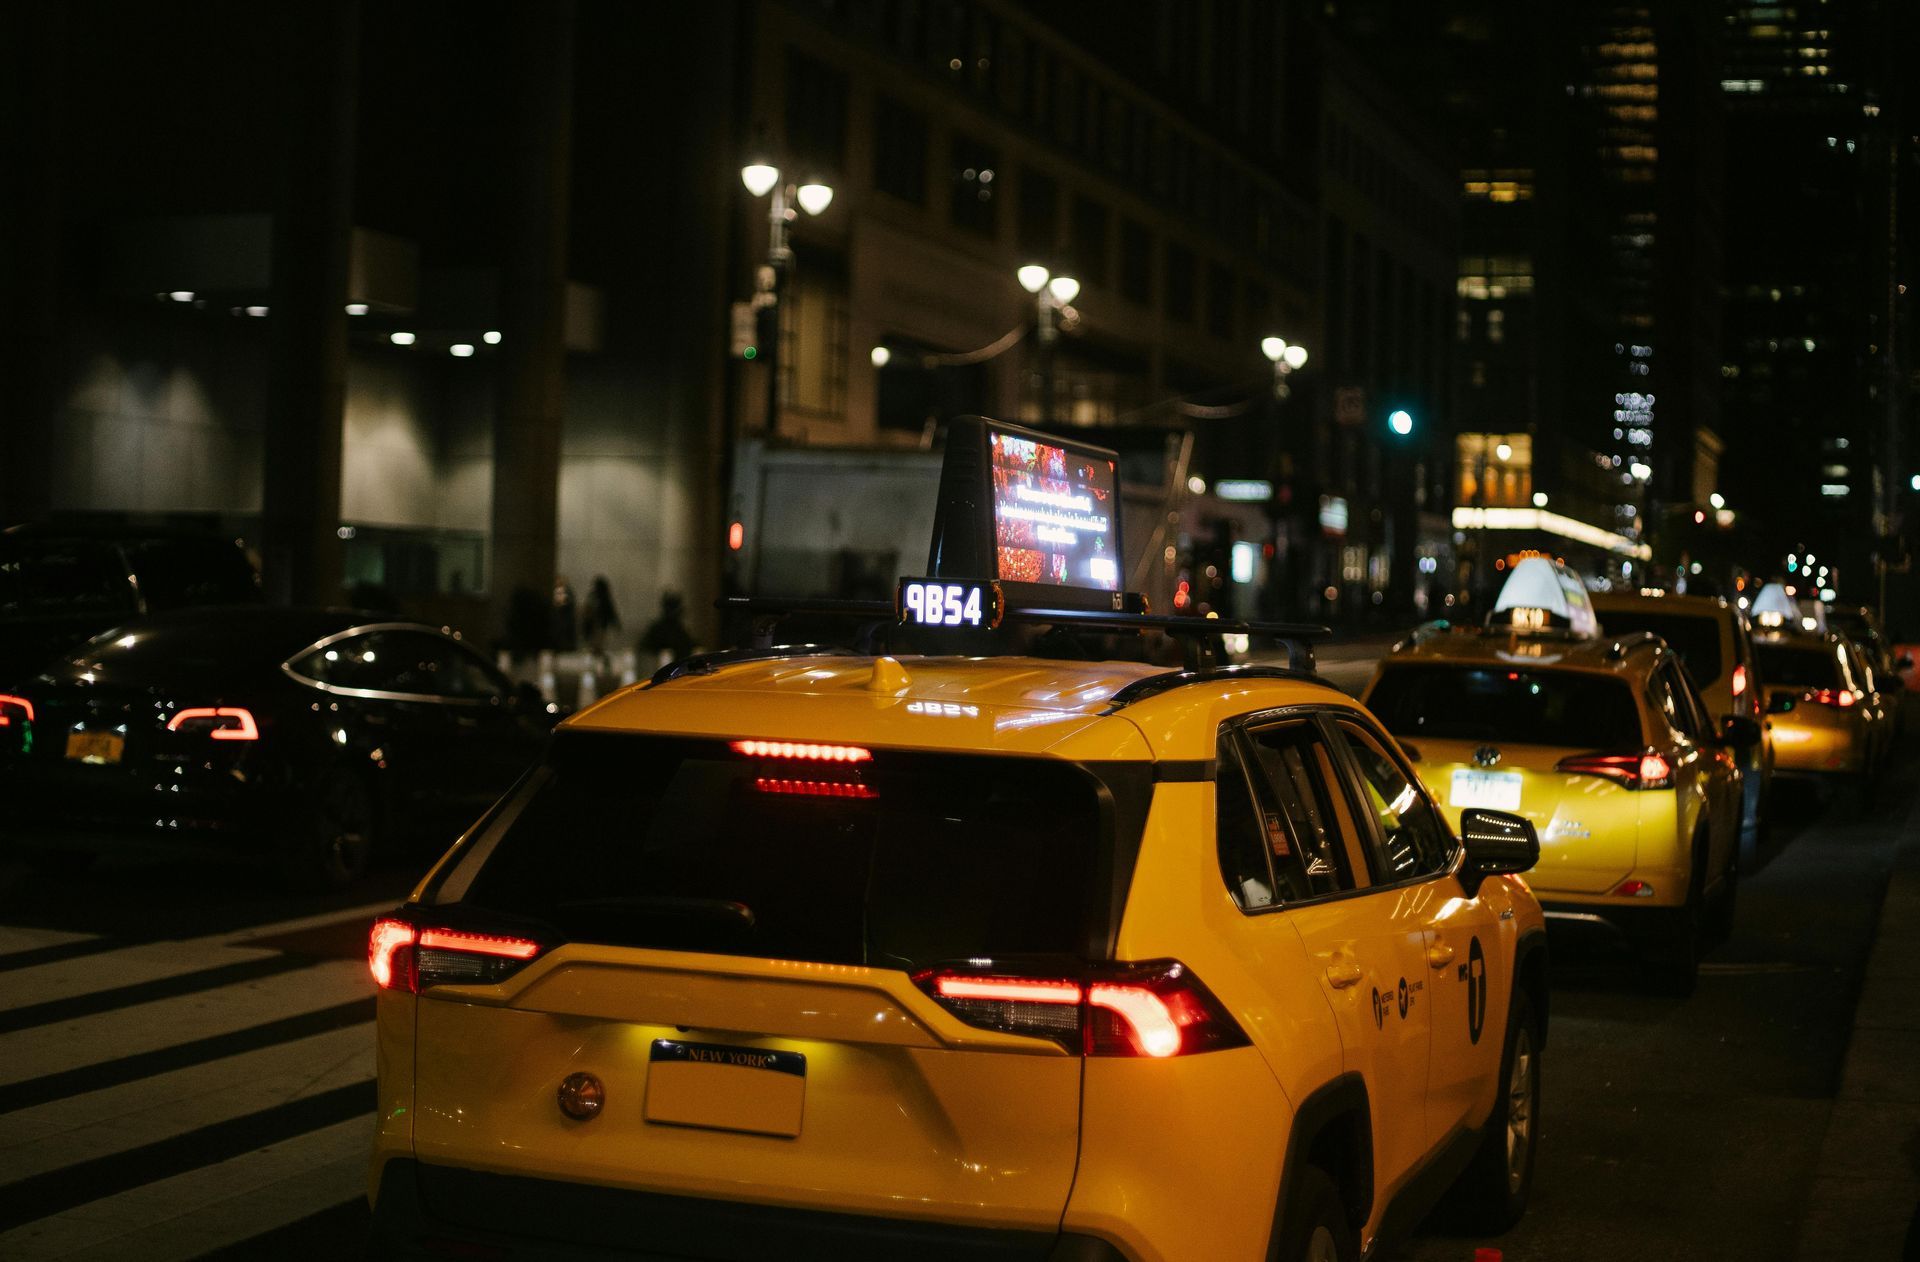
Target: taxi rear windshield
[(1511, 705), (1794, 666), (897, 861), (1694, 637)]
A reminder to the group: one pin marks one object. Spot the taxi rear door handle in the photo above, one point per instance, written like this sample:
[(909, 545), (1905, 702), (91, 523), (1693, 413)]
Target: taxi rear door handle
[(1343, 972), (1439, 955)]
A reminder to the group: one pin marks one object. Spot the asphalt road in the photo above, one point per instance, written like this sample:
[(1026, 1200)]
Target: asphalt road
[(185, 1063)]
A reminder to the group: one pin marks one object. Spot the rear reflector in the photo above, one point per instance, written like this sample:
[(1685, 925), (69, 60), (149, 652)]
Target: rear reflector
[(1631, 771), (222, 723), (1153, 1009), (803, 749), (403, 956)]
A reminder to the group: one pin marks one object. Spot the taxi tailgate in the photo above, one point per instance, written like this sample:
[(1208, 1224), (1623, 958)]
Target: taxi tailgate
[(1589, 827), (897, 1110)]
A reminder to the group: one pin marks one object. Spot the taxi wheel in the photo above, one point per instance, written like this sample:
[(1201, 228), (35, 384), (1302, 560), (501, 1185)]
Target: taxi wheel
[(1492, 1193), (330, 849), (1315, 1227)]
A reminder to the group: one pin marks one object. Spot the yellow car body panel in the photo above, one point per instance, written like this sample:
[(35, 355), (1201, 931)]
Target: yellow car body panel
[(911, 1113)]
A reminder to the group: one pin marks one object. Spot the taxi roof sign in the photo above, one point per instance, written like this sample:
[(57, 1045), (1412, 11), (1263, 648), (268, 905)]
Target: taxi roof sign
[(1542, 594), (1775, 608)]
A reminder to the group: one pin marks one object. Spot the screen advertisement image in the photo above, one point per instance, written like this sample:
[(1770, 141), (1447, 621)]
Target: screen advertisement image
[(1053, 515)]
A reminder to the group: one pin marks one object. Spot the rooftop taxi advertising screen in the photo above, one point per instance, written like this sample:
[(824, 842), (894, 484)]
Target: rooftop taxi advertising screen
[(1053, 515)]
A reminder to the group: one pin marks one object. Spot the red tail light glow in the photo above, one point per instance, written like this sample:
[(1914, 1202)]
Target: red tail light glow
[(804, 750), (223, 723), (1633, 889), (818, 788), (1838, 698), (1739, 680), (1155, 1009), (18, 704), (1631, 771), (403, 956)]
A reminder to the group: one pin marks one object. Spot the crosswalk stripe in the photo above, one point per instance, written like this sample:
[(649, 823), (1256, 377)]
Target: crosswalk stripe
[(110, 1073), (211, 1207), (76, 1184), (365, 912), (101, 1123), (144, 1027), (128, 966), (247, 967), (14, 939)]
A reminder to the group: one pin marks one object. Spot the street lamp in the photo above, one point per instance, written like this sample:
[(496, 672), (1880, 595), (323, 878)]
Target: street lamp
[(813, 196), (1287, 357), (1052, 299)]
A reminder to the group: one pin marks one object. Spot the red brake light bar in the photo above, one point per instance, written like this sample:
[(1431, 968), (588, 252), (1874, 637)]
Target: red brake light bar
[(817, 788), (808, 750), (403, 956), (1632, 771), (1156, 1009), (227, 723)]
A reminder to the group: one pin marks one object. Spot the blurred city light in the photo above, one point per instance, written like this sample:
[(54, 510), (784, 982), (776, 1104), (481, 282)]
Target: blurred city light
[(1401, 422), (1273, 347), (1033, 277), (491, 337), (357, 308), (1504, 451), (814, 198), (1717, 500), (880, 355), (400, 338), (759, 178), (1295, 355), (1539, 499), (460, 350), (1064, 288)]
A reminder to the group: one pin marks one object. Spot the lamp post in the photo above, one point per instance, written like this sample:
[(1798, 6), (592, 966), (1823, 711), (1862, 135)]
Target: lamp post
[(1286, 358), (761, 180), (1053, 297)]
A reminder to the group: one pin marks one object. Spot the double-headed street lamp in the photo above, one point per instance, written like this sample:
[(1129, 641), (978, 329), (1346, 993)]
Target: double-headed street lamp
[(814, 196), (1053, 297), (1287, 357)]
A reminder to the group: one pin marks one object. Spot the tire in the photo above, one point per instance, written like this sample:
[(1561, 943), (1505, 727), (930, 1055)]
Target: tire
[(1491, 1194), (1676, 954), (331, 848), (1314, 1226)]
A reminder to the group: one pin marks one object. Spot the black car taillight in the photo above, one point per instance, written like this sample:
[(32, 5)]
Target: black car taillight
[(1157, 1008), (221, 723), (16, 723), (1632, 771), (405, 956)]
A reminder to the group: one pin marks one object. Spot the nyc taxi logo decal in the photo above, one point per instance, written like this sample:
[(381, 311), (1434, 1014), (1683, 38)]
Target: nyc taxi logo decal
[(1400, 1001), (1474, 974)]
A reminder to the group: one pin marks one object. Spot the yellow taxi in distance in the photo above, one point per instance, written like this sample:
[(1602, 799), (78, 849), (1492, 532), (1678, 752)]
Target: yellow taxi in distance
[(1603, 744), (961, 957), (1830, 721)]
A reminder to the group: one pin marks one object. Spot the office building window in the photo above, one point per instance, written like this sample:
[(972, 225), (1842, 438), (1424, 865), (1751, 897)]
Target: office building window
[(1039, 219), (1219, 301), (1136, 262), (971, 202), (1091, 221), (899, 150), (1179, 283), (813, 347), (816, 116)]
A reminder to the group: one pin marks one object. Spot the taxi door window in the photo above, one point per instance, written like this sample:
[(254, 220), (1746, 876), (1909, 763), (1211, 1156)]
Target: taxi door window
[(1243, 851), (1669, 699), (1295, 796), (1412, 842)]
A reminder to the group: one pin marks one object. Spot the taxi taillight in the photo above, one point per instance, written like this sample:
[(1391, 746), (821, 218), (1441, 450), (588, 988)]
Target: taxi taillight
[(1154, 1009), (405, 956), (1838, 698), (1629, 771)]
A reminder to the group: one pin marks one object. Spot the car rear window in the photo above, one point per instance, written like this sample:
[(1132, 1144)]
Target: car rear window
[(42, 578), (1694, 637), (1800, 666), (686, 845), (1512, 705), (176, 573)]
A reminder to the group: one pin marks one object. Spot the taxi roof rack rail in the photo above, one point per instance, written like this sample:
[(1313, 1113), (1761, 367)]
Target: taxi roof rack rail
[(1633, 642), (1154, 685), (708, 663), (1200, 637)]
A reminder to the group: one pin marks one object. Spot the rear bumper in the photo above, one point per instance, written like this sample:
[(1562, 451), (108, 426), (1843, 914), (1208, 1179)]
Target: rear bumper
[(425, 1211)]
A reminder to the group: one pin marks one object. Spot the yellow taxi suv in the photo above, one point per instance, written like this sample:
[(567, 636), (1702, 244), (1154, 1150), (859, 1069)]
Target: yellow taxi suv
[(1604, 746), (790, 954), (1829, 719)]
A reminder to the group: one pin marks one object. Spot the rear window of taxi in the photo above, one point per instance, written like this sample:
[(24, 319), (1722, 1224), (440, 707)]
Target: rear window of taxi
[(1801, 666), (899, 860), (1694, 637), (1511, 705)]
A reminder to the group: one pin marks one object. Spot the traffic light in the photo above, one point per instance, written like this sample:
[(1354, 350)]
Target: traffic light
[(1400, 421)]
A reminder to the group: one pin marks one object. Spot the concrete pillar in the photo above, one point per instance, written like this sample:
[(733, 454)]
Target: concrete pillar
[(529, 421), (307, 385), (33, 354)]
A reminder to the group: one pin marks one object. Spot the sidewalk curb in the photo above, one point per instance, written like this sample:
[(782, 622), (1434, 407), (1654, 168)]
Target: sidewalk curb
[(1861, 1204)]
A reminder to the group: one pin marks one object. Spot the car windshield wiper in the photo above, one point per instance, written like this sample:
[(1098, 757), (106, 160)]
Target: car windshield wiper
[(661, 904)]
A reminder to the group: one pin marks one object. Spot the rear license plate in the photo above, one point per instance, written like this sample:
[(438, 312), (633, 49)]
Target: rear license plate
[(1493, 790), (726, 1088), (95, 747)]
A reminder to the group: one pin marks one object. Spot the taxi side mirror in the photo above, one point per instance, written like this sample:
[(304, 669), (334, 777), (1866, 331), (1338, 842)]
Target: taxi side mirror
[(1497, 844), (1739, 732), (1780, 703)]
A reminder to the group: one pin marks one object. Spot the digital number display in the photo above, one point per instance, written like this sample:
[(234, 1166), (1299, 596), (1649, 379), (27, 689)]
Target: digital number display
[(932, 602), (1053, 515)]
